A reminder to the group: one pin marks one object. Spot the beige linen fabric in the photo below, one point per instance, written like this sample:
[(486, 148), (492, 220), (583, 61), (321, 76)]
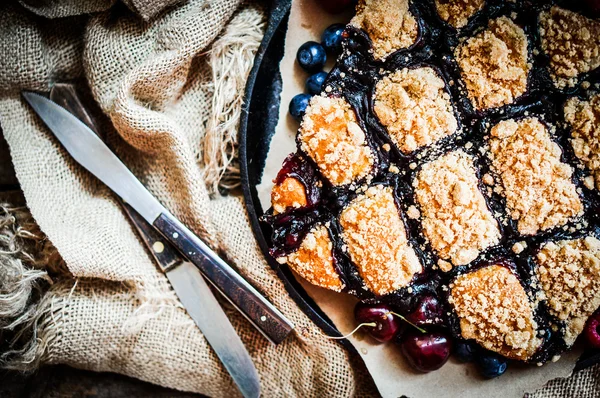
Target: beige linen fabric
[(583, 384), (66, 8), (154, 82), (168, 95)]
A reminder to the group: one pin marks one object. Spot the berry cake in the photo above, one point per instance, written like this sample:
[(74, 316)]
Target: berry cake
[(453, 156)]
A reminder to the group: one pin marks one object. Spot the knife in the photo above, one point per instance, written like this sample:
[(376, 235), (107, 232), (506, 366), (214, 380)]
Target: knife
[(89, 151), (186, 279)]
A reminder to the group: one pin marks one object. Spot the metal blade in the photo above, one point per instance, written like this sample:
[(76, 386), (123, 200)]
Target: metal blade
[(167, 258), (89, 151), (203, 307)]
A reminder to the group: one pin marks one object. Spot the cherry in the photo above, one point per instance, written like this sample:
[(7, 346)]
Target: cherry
[(428, 312), (335, 6), (425, 351), (386, 324), (592, 331)]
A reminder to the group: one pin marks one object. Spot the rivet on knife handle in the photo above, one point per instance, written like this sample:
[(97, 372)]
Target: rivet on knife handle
[(239, 292)]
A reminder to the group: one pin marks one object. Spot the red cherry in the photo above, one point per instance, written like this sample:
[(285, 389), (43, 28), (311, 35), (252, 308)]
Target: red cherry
[(386, 324), (592, 331), (335, 6), (426, 351), (428, 312)]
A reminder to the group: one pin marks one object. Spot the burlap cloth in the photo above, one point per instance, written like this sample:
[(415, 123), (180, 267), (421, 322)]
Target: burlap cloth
[(168, 79)]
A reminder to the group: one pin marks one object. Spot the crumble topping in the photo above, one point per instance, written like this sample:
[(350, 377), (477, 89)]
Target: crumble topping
[(495, 311), (537, 185), (331, 136), (389, 24), (569, 272), (458, 12), (494, 64), (413, 213), (571, 42), (377, 242), (290, 193), (314, 260), (519, 247), (456, 219), (414, 107), (584, 117)]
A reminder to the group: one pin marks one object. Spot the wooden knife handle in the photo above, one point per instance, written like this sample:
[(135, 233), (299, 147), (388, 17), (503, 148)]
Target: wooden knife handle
[(238, 291), (266, 318), (164, 254)]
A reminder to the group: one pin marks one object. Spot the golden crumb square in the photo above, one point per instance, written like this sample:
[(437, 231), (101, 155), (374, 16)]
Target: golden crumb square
[(569, 275), (572, 42), (536, 184), (584, 120), (415, 108), (494, 64), (377, 243), (495, 311), (458, 12), (314, 260), (389, 24), (455, 216), (331, 136)]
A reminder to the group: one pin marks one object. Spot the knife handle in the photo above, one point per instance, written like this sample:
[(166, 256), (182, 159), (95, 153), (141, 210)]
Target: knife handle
[(265, 317), (164, 254)]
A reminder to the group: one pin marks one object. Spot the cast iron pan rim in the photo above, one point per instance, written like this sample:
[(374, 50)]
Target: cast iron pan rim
[(279, 13)]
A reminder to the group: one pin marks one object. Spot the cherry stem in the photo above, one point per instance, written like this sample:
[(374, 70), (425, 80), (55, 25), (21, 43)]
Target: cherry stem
[(371, 324), (406, 320)]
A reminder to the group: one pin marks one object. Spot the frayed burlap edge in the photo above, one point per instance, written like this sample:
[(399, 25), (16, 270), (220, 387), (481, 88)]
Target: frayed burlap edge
[(231, 59), (27, 259)]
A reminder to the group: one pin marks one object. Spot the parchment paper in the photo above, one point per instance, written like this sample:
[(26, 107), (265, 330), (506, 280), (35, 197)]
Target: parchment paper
[(391, 373)]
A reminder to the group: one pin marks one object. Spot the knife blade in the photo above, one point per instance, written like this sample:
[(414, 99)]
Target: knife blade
[(186, 280), (89, 151), (202, 306)]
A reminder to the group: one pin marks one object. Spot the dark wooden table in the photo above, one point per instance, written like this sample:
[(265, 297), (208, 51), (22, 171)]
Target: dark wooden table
[(64, 381)]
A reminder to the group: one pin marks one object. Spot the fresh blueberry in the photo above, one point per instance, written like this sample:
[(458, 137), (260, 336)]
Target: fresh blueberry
[(491, 365), (298, 105), (311, 56), (314, 83), (332, 37), (464, 351)]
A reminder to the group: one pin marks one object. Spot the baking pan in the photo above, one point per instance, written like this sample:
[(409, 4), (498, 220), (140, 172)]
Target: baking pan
[(257, 126)]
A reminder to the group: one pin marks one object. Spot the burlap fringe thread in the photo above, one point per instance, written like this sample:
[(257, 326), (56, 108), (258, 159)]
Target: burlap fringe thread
[(28, 261), (23, 253), (231, 58)]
